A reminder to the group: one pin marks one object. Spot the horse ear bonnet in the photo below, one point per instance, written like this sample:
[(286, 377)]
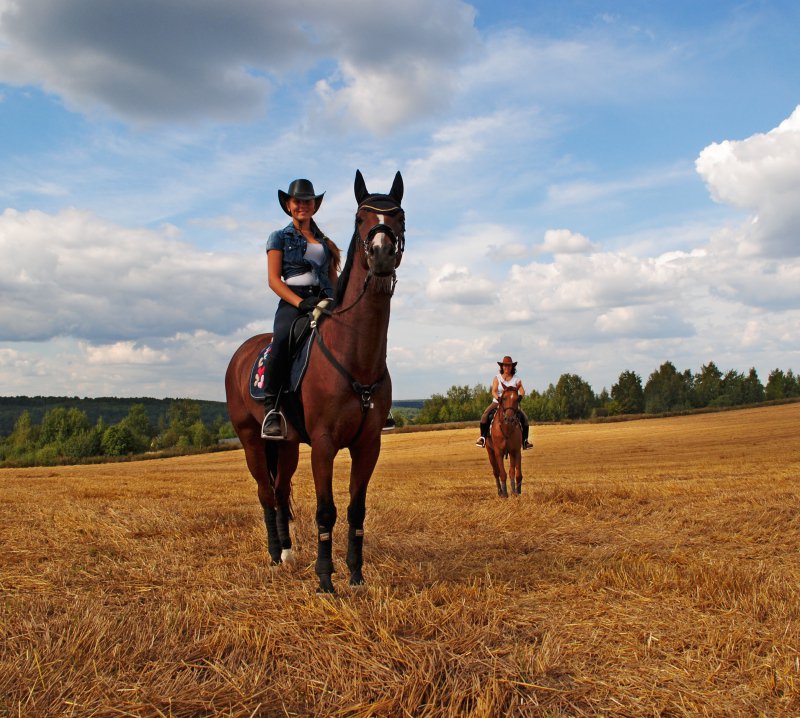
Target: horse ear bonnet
[(379, 202)]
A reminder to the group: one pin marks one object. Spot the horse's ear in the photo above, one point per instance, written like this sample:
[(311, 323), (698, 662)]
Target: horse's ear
[(360, 187), (397, 188)]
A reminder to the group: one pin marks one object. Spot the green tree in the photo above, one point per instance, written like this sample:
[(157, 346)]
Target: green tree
[(776, 385), (752, 389), (118, 440), (628, 393), (707, 385), (138, 424), (59, 424), (574, 396), (667, 390)]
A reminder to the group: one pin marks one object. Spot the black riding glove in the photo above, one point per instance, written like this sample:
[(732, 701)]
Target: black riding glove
[(309, 303)]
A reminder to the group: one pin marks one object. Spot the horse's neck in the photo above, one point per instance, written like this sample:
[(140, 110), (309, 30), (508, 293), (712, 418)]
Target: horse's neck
[(358, 334)]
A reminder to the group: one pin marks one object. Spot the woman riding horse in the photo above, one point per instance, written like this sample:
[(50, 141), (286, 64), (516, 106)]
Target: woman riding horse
[(506, 377), (344, 396)]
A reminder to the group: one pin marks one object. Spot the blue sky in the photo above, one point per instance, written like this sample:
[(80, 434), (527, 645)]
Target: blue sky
[(590, 187)]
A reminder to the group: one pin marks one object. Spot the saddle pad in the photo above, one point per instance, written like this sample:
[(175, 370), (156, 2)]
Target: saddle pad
[(257, 376)]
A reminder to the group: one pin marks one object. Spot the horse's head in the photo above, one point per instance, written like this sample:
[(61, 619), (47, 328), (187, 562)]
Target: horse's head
[(509, 401), (381, 226)]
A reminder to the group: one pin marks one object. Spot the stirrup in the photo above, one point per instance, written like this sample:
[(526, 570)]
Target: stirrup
[(272, 417), (390, 424), (481, 442)]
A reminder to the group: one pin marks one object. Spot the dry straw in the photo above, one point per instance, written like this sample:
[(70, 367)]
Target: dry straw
[(650, 568)]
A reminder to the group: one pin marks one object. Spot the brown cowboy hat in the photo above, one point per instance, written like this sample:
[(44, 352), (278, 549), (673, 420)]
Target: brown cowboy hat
[(506, 360), (300, 189)]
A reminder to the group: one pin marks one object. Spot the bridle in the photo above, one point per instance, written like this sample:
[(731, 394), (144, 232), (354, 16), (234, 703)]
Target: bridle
[(398, 239), (383, 228)]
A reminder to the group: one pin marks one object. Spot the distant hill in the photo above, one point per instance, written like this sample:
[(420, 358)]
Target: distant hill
[(111, 409), (408, 403), (114, 409)]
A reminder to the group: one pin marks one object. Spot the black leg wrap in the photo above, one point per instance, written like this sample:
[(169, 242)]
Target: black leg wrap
[(273, 541), (283, 518), (355, 555), (324, 564)]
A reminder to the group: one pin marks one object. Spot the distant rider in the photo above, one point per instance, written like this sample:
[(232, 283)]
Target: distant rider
[(506, 377)]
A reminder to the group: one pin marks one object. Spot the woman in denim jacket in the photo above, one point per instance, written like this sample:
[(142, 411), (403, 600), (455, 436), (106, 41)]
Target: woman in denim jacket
[(303, 266)]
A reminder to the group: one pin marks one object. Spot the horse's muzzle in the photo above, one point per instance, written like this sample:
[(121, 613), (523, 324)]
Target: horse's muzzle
[(382, 257)]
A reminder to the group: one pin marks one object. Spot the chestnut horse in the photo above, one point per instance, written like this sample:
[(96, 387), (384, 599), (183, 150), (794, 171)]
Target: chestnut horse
[(505, 440), (346, 392)]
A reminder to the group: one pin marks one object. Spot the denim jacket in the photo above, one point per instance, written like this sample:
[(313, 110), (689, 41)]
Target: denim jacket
[(293, 245)]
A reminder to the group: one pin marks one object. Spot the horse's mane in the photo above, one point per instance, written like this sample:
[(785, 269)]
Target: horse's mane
[(344, 277)]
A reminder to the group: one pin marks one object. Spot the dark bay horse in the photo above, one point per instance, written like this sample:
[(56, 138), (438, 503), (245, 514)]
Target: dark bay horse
[(346, 392), (505, 440)]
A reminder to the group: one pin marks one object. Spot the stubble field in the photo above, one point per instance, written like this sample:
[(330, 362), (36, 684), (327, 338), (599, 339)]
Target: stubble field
[(650, 568)]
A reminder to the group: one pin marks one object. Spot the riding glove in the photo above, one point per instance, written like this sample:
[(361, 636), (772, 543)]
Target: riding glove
[(309, 303)]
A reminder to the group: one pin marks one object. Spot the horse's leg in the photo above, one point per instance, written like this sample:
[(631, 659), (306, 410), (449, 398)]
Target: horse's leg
[(513, 464), (322, 454), (519, 473), (288, 456), (502, 489), (364, 457), (495, 470), (256, 458)]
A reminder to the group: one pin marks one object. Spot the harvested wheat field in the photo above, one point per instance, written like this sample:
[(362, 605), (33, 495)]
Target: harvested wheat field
[(650, 568)]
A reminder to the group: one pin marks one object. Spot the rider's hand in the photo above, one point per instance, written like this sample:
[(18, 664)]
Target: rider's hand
[(309, 303)]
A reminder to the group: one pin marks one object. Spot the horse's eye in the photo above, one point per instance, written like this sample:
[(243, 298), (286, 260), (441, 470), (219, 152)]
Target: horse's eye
[(359, 221)]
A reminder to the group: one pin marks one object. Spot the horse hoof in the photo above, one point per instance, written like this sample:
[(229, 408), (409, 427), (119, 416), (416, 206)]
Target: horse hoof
[(356, 579), (287, 556), (325, 584)]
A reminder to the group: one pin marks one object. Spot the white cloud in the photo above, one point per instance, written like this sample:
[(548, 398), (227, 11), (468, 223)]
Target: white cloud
[(456, 284), (128, 352), (762, 174), (72, 274), (564, 241)]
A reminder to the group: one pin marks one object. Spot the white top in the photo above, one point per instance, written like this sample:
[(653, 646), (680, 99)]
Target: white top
[(316, 253), (503, 383)]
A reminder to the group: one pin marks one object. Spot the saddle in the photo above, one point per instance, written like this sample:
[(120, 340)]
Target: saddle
[(299, 344)]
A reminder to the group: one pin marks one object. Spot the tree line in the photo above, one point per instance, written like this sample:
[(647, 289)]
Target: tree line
[(67, 435), (666, 390)]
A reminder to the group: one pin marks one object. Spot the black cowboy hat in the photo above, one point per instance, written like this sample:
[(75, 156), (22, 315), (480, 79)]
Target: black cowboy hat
[(506, 360), (300, 189)]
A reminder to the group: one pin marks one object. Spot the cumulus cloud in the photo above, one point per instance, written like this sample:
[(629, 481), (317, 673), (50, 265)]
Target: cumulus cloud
[(761, 174), (168, 60), (564, 241), (456, 284), (72, 274)]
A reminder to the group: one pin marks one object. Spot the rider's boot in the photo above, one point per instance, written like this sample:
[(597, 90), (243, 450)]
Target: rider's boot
[(484, 432), (271, 428), (525, 443)]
